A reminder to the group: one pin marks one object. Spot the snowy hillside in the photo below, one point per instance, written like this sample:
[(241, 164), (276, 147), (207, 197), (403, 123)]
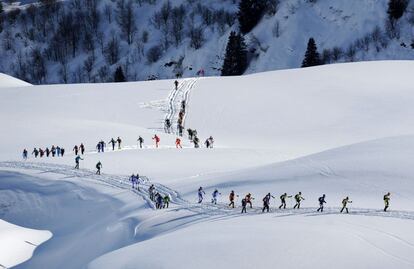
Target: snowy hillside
[(152, 39), (340, 130), (9, 82)]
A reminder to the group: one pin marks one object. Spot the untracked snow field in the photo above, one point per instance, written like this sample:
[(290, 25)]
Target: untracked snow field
[(340, 130)]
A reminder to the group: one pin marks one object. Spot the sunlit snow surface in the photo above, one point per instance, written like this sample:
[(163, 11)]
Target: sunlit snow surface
[(340, 130)]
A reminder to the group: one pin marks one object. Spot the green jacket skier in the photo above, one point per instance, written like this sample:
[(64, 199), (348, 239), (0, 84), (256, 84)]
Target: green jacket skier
[(167, 200), (298, 199), (345, 203), (387, 201)]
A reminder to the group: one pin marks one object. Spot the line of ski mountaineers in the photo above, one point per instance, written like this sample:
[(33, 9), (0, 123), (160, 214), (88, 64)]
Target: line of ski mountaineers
[(163, 201)]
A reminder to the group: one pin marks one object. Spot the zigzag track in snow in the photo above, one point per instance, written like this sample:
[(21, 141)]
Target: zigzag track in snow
[(174, 104)]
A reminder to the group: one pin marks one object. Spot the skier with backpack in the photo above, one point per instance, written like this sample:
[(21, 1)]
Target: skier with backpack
[(266, 202), (41, 152), (35, 152), (62, 152), (53, 150), (151, 191), (134, 182), (82, 148), (283, 200), (76, 149), (196, 142), (25, 154), (166, 201), (345, 203), (201, 194), (140, 141), (321, 202), (178, 143), (98, 167), (113, 142), (167, 126), (215, 195), (77, 159), (98, 147), (207, 143), (190, 134), (387, 201), (157, 140), (58, 151), (103, 145), (47, 152), (298, 199), (231, 198), (158, 200), (249, 199), (176, 84), (244, 204), (119, 141)]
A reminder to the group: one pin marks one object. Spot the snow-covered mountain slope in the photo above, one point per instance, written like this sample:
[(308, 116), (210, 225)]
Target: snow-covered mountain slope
[(183, 37), (10, 82), (343, 130)]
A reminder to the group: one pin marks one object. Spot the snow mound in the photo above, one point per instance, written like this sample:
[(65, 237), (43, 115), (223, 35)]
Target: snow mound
[(7, 81), (17, 244)]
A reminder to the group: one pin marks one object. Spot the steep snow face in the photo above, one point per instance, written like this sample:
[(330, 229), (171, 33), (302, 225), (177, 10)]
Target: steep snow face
[(11, 82), (277, 42)]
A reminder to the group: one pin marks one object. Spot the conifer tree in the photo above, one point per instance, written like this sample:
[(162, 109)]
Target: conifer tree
[(249, 14), (396, 8), (312, 57), (119, 75), (235, 60)]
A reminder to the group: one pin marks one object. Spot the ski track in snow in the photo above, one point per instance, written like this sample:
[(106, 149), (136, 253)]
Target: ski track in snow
[(175, 97), (205, 208)]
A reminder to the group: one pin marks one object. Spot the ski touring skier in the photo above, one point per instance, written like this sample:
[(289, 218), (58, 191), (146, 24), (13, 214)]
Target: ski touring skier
[(77, 159), (157, 140), (298, 199), (176, 84), (196, 142), (41, 152), (231, 198), (57, 151), (53, 150), (76, 149), (98, 147), (207, 143), (113, 143), (190, 134), (82, 148), (244, 204), (35, 152), (166, 201), (345, 203), (158, 201), (387, 201), (180, 128), (249, 199), (151, 191), (214, 195), (103, 145), (25, 154), (134, 181), (62, 152), (201, 194), (266, 202), (167, 126), (140, 141), (47, 152), (283, 198), (98, 167), (178, 143), (321, 201), (119, 141)]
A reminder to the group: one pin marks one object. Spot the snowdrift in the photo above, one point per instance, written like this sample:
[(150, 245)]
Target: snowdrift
[(9, 82)]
